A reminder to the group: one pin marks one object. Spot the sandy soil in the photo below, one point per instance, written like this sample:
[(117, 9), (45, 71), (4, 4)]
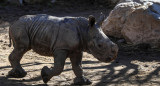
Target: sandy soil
[(134, 66)]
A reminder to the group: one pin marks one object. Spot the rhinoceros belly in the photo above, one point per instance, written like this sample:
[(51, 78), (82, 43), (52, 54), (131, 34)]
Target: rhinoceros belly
[(42, 49)]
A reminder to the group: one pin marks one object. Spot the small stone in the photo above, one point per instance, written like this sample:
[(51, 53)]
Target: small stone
[(154, 66), (145, 65), (1, 40), (4, 48)]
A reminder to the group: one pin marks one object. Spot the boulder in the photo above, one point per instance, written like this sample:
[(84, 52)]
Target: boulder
[(137, 21)]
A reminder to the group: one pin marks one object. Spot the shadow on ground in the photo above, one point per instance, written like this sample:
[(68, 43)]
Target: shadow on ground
[(110, 75)]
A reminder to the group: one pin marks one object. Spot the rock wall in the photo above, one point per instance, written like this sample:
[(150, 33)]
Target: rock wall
[(136, 21)]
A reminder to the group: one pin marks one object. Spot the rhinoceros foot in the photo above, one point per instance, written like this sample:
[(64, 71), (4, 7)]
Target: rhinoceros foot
[(44, 74), (17, 73), (82, 81)]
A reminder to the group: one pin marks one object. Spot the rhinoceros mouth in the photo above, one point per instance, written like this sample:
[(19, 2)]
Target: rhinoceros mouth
[(102, 55), (106, 59)]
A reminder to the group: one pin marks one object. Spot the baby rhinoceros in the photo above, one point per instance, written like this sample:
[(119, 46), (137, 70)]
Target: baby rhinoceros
[(60, 37)]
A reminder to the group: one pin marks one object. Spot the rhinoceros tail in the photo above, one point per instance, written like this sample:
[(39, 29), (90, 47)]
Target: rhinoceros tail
[(10, 42)]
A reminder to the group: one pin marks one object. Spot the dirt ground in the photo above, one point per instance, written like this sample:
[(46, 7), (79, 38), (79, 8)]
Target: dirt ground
[(134, 66)]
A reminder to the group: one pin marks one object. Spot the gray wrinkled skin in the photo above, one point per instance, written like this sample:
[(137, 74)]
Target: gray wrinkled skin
[(60, 37)]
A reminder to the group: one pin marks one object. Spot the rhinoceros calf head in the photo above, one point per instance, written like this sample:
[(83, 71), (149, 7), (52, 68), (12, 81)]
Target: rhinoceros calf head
[(99, 45)]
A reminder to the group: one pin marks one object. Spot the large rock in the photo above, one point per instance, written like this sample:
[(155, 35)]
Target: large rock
[(138, 21)]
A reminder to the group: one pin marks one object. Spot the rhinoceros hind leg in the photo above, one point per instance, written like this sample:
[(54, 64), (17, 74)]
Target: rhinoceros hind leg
[(21, 44), (17, 73), (14, 58)]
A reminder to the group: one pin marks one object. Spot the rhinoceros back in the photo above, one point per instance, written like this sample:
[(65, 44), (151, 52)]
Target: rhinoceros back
[(48, 32)]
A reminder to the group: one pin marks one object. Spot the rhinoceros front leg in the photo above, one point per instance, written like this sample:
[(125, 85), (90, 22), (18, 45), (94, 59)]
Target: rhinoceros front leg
[(59, 61), (76, 60)]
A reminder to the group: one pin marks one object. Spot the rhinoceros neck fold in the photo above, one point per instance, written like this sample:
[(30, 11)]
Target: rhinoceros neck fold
[(83, 33)]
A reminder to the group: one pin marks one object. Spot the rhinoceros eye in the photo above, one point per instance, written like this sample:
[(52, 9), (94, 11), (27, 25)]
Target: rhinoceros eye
[(94, 37), (99, 45)]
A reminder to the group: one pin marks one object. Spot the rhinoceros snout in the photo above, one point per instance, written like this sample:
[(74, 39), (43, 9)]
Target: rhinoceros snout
[(111, 58), (114, 48), (114, 51)]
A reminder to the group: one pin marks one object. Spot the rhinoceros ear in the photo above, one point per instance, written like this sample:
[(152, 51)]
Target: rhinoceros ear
[(101, 19), (91, 20)]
